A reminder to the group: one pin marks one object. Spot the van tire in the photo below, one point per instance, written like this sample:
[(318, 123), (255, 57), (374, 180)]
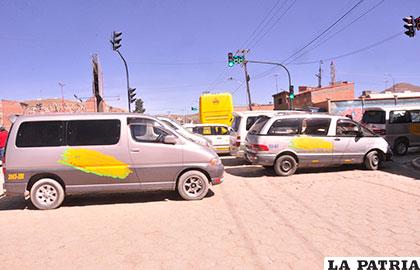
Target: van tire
[(373, 160), (193, 185), (47, 194), (285, 165), (400, 147)]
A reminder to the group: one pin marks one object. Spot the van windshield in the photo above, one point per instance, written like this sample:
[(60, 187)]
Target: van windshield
[(374, 117), (259, 124)]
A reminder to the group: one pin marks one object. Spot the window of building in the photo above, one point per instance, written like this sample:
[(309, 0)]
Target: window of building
[(285, 127), (40, 134), (93, 132), (316, 126)]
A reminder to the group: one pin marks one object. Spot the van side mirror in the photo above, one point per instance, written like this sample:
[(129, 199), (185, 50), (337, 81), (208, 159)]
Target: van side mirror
[(169, 139)]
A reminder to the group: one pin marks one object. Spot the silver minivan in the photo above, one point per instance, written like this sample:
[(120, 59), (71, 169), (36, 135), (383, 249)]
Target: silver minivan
[(291, 141), (399, 125), (50, 156)]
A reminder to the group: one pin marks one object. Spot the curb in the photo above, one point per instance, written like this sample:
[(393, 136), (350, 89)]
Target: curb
[(416, 163)]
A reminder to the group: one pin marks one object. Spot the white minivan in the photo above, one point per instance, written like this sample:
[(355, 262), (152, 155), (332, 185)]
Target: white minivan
[(242, 122), (399, 125), (219, 135)]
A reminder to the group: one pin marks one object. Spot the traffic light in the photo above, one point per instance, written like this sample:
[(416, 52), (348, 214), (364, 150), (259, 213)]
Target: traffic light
[(132, 95), (291, 93), (417, 21), (116, 40), (409, 25), (230, 60)]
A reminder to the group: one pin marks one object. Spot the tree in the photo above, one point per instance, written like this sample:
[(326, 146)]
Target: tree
[(139, 106)]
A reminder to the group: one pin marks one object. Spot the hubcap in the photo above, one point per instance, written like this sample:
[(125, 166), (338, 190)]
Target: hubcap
[(401, 148), (193, 186), (46, 195), (286, 165), (375, 160)]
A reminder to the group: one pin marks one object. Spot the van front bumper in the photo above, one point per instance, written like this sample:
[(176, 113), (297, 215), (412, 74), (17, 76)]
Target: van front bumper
[(260, 159), (14, 189)]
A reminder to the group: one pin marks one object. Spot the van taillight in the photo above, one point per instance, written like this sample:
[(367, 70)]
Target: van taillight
[(238, 141), (259, 147)]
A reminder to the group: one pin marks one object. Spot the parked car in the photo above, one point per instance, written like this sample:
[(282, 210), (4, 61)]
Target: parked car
[(242, 122), (218, 134), (400, 126), (184, 132), (82, 153), (303, 140)]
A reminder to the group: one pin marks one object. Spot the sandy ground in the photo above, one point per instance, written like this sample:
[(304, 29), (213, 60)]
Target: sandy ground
[(254, 220)]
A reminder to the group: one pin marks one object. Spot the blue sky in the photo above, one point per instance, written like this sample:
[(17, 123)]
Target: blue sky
[(177, 49)]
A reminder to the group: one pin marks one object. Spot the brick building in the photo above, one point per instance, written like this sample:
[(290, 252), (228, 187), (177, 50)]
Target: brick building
[(43, 106), (315, 97)]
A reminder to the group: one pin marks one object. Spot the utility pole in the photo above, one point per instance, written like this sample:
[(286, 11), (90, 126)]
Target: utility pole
[(244, 52), (332, 70), (61, 84), (319, 75)]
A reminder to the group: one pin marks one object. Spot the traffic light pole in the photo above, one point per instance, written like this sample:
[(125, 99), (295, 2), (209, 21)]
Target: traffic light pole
[(247, 86), (276, 64), (128, 83)]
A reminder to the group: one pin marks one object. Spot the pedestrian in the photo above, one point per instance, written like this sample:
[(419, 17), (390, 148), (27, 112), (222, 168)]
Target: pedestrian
[(3, 139)]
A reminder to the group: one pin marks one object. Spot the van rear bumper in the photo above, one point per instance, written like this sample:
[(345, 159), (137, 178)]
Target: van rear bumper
[(14, 189), (260, 159)]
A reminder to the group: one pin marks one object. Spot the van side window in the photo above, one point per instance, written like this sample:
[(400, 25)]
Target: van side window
[(250, 121), (346, 129), (316, 126), (146, 132), (285, 127), (398, 117), (415, 116), (93, 132), (40, 134)]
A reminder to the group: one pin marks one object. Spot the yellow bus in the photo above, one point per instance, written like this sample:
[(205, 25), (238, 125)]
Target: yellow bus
[(216, 109)]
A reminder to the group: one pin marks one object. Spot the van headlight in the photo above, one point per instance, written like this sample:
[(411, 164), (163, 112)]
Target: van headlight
[(215, 162)]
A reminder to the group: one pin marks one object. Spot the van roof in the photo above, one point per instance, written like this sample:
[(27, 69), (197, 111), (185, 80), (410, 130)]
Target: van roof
[(67, 116), (310, 115), (387, 109), (256, 113)]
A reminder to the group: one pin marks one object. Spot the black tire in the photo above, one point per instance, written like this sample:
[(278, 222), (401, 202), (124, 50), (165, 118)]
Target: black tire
[(47, 194), (285, 165), (193, 185), (373, 160), (400, 147)]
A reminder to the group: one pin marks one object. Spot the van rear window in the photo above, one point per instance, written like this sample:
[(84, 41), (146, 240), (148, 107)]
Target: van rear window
[(40, 134), (236, 122), (259, 124), (93, 132), (373, 117)]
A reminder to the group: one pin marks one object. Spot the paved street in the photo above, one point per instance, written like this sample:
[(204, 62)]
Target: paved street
[(254, 220)]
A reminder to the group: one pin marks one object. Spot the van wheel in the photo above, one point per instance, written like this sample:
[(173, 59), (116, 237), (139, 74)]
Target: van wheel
[(400, 147), (372, 160), (47, 194), (285, 165), (193, 185)]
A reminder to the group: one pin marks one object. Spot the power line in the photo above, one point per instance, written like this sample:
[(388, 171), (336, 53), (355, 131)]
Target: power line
[(340, 30), (355, 51), (261, 34), (325, 31), (174, 63)]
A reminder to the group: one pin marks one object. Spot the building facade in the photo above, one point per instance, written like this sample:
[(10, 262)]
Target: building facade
[(308, 97)]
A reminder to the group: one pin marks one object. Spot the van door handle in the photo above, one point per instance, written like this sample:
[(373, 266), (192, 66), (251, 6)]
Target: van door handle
[(337, 139), (135, 150)]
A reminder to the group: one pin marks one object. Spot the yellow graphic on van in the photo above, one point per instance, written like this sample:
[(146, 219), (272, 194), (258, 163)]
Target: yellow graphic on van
[(414, 129), (311, 144), (91, 161)]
